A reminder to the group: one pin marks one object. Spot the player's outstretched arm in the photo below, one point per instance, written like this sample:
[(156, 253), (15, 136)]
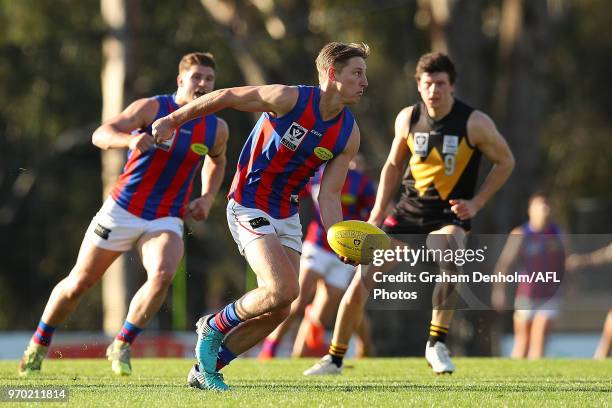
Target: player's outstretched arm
[(393, 170), (213, 171), (598, 257), (483, 134), (116, 132), (279, 99), (333, 181)]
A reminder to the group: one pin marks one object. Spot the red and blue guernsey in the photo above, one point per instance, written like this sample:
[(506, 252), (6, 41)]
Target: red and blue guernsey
[(158, 182), (541, 251), (282, 153), (358, 196)]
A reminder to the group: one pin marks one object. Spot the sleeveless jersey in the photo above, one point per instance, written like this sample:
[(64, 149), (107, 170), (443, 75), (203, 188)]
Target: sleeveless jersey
[(158, 182), (443, 163), (282, 153), (541, 251), (358, 196)]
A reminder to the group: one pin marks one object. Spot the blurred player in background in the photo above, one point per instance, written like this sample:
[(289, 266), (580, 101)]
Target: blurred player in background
[(435, 157), (323, 277), (145, 209), (301, 128), (536, 245), (599, 257)]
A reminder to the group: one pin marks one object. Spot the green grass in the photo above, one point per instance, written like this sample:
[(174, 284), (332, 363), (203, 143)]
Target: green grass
[(370, 382)]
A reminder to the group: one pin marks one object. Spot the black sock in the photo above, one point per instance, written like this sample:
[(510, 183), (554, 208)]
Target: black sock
[(337, 351), (437, 333)]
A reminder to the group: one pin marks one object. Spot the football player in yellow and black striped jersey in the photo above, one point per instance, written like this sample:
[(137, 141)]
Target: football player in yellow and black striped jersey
[(434, 157)]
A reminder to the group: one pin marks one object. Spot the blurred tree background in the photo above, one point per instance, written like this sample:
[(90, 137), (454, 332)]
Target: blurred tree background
[(540, 68)]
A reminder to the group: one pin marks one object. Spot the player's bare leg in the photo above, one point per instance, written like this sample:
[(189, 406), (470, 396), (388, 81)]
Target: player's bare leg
[(364, 346), (537, 340), (250, 318), (443, 300), (91, 264), (349, 316), (265, 307), (161, 252), (322, 310), (308, 284), (522, 331), (603, 348)]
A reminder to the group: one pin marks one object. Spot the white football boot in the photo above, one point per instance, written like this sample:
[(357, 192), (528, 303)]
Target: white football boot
[(438, 358), (325, 366)]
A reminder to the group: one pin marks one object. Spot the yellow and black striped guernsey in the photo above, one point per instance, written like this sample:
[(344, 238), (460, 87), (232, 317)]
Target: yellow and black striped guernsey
[(443, 163)]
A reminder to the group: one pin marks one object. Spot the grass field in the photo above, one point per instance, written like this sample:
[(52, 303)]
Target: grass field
[(370, 382)]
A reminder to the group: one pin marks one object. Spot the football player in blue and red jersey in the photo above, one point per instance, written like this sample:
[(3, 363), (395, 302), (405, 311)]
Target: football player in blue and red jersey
[(300, 129), (537, 245), (145, 209)]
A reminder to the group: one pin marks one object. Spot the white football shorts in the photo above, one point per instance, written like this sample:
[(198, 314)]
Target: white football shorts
[(525, 308), (116, 229), (333, 270), (247, 224)]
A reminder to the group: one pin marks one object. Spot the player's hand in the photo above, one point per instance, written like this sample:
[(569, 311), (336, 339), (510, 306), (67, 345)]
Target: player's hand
[(376, 220), (163, 129), (464, 209), (141, 142), (573, 262), (347, 261), (199, 209)]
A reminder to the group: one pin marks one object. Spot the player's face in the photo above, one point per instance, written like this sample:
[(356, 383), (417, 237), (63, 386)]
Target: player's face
[(198, 80), (351, 81), (539, 212), (435, 89)]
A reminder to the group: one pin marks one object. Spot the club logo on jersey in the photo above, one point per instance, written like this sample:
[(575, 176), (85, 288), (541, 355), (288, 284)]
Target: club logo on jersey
[(259, 222), (323, 153), (421, 142), (102, 232), (294, 136), (199, 149), (450, 144)]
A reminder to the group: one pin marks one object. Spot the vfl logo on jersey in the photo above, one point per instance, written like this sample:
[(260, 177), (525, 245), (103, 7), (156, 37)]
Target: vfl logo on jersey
[(166, 144), (450, 144), (323, 153), (294, 136), (421, 142), (199, 149)]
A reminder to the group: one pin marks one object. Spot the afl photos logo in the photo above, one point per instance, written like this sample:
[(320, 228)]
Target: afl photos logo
[(199, 149), (294, 136), (323, 153)]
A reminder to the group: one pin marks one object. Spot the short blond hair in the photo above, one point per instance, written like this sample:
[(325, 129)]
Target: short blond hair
[(336, 54), (196, 58)]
